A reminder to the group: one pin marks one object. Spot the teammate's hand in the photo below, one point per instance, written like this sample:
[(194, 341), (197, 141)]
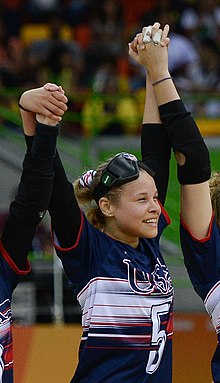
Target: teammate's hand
[(151, 34), (49, 101), (154, 57), (156, 35)]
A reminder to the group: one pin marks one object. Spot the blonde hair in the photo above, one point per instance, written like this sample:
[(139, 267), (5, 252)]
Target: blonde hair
[(86, 201), (214, 185)]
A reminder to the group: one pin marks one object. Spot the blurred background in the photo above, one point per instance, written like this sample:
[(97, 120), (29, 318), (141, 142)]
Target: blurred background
[(82, 45)]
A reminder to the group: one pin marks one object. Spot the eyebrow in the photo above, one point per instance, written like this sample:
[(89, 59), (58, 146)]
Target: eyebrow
[(146, 193)]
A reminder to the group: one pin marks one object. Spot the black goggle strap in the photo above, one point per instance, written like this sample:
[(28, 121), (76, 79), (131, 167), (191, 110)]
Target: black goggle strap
[(108, 180), (145, 167), (121, 169), (100, 191)]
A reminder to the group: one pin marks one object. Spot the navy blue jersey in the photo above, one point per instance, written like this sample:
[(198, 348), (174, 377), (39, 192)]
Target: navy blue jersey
[(202, 260), (9, 278), (126, 297)]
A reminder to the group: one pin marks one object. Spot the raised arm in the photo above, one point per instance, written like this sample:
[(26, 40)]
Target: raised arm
[(35, 187), (155, 146), (186, 141), (49, 102), (32, 198)]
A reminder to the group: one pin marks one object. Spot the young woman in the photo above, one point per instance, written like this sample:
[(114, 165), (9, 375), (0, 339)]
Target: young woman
[(199, 230), (106, 232), (26, 211)]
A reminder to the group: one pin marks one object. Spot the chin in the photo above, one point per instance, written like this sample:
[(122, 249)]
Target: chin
[(152, 234)]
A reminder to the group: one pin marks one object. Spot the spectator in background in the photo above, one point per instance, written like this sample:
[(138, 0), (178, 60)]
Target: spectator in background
[(206, 77), (38, 10), (11, 57), (106, 22), (12, 12), (107, 111), (76, 12), (200, 21), (165, 10), (183, 54), (208, 18), (56, 59)]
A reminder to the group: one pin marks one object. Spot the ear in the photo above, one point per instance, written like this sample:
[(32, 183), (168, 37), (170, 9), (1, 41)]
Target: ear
[(105, 206)]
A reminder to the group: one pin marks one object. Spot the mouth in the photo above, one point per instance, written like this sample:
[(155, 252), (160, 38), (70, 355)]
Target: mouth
[(152, 221)]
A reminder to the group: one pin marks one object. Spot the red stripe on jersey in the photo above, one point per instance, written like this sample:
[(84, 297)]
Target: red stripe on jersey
[(10, 262)]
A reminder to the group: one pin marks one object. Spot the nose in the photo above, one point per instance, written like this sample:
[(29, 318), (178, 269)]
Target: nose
[(155, 206)]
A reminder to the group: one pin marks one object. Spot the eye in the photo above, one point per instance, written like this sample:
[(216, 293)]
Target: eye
[(141, 199)]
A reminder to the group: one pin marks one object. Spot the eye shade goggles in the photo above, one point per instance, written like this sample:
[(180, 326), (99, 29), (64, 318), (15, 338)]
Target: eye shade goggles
[(123, 168)]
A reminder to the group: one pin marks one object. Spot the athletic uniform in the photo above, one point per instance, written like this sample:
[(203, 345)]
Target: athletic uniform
[(9, 278), (201, 257), (202, 260), (126, 294), (31, 202)]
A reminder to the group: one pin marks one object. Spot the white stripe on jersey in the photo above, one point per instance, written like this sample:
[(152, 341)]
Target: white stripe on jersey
[(118, 336), (111, 303), (212, 305), (1, 363)]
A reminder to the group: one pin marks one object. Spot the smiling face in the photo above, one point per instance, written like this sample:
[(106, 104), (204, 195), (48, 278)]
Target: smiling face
[(137, 212)]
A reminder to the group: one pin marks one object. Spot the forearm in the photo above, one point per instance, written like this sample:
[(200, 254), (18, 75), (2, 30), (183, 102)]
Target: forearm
[(164, 87), (64, 209), (155, 147), (151, 112), (28, 122), (156, 151), (33, 197), (196, 208)]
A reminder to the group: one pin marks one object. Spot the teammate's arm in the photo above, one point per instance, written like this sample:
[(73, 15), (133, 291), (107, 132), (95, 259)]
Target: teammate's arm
[(35, 187), (186, 141), (50, 102), (32, 198), (155, 147)]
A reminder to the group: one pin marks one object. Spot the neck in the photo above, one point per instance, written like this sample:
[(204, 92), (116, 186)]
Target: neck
[(131, 241)]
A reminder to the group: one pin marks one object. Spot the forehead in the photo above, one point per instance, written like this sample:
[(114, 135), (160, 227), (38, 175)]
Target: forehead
[(143, 184)]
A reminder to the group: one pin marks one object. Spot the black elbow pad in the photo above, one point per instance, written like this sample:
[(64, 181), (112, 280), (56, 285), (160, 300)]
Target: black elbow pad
[(196, 168), (185, 137)]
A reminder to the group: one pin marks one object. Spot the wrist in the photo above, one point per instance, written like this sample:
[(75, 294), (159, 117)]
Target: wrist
[(21, 104), (162, 80), (46, 120), (28, 122), (157, 76)]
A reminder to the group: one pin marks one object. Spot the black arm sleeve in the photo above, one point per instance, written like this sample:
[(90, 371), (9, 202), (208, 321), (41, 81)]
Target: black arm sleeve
[(33, 195), (64, 209), (29, 142), (185, 137), (156, 151)]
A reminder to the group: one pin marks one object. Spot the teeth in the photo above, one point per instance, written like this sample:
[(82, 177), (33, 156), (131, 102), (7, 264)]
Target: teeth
[(150, 220)]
